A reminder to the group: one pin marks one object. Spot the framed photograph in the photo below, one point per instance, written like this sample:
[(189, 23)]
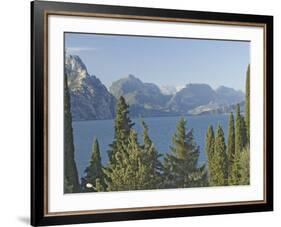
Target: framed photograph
[(142, 113)]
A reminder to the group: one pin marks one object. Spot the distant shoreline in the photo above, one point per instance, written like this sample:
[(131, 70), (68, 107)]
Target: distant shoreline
[(176, 115)]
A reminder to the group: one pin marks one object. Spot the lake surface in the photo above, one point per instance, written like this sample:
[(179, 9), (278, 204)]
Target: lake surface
[(161, 130)]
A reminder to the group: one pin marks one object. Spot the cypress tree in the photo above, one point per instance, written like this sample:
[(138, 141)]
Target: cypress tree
[(231, 140), (238, 131), (240, 171), (181, 165), (122, 126), (209, 150), (151, 159), (234, 177), (68, 188), (94, 171), (237, 164), (71, 181), (244, 163), (220, 159), (243, 131), (247, 104)]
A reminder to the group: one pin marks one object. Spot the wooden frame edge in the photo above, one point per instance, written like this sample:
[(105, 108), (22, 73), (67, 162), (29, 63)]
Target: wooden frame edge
[(47, 214)]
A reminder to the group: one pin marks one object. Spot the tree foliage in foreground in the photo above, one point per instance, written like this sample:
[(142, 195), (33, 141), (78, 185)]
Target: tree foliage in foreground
[(71, 181), (240, 166), (247, 104), (240, 131), (132, 165), (129, 172), (94, 172), (151, 159), (220, 159), (231, 147), (122, 127), (209, 151), (181, 164), (240, 171)]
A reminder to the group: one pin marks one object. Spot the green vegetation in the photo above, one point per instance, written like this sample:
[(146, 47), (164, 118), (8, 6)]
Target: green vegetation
[(247, 103), (231, 144), (181, 164), (94, 172), (132, 166), (240, 162), (233, 167), (122, 129), (71, 181), (129, 172), (210, 148), (220, 158), (135, 165), (151, 159), (240, 131)]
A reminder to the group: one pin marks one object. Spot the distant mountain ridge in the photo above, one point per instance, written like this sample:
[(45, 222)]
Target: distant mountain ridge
[(90, 99), (191, 96), (148, 99), (168, 89), (143, 98), (205, 110)]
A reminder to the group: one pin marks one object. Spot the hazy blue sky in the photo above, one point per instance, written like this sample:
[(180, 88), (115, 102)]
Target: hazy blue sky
[(163, 61)]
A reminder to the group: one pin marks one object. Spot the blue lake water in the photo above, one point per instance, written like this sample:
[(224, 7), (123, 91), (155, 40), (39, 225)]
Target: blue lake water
[(161, 130)]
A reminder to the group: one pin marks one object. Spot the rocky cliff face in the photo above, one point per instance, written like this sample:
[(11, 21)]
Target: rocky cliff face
[(89, 97)]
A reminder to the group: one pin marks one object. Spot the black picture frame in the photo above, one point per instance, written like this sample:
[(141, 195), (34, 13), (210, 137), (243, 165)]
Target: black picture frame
[(39, 120)]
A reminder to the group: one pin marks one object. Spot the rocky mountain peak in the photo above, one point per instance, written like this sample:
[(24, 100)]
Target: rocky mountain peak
[(76, 71), (89, 97)]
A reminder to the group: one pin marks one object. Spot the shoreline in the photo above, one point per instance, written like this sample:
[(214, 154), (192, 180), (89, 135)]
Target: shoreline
[(162, 116)]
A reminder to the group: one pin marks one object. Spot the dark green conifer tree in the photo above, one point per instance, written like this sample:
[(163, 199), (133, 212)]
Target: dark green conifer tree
[(220, 176), (209, 150), (233, 177), (240, 170), (181, 164), (122, 126), (238, 165), (100, 187), (151, 159), (231, 141), (244, 163), (243, 131), (71, 181), (247, 104), (129, 172), (68, 188), (239, 140), (94, 171)]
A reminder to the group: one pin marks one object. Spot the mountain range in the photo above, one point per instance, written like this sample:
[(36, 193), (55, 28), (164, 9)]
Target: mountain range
[(90, 99)]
